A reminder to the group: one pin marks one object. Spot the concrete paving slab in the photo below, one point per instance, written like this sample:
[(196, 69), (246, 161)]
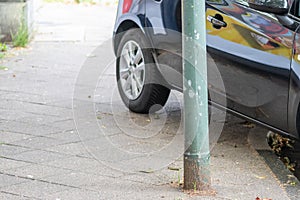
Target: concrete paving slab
[(7, 163), (6, 180), (83, 164), (10, 196), (36, 171), (38, 142), (74, 23), (7, 137), (66, 125), (75, 149), (34, 189), (8, 150), (33, 129), (38, 156), (79, 194), (76, 179)]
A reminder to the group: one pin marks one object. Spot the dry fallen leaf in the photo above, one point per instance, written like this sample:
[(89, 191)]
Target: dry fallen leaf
[(248, 125), (257, 198), (174, 168), (146, 171), (260, 177)]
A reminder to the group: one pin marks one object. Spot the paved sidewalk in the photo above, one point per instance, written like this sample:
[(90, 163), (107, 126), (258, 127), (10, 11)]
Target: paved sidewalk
[(48, 149)]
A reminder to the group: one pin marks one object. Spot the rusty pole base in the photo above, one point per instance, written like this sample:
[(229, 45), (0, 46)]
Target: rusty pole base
[(196, 173)]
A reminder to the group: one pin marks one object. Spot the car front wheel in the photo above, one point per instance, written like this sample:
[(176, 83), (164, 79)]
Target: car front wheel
[(137, 74)]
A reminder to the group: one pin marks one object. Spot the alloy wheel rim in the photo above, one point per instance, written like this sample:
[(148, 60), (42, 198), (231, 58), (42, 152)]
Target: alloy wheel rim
[(132, 70)]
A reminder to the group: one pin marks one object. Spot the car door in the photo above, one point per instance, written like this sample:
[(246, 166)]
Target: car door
[(252, 51), (294, 92)]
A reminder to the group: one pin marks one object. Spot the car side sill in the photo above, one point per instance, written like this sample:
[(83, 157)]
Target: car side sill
[(252, 120)]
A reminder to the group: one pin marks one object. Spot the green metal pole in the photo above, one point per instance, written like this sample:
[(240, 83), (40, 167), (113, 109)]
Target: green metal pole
[(197, 155)]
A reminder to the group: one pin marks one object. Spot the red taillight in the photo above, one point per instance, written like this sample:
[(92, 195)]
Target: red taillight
[(126, 6)]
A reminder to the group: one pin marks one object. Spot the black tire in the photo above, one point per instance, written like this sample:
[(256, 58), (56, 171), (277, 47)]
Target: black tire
[(151, 93)]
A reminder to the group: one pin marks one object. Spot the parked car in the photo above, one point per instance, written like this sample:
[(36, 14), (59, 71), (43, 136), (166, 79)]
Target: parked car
[(254, 44)]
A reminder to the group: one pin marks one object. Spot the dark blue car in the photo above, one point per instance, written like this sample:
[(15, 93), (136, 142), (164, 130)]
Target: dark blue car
[(253, 44)]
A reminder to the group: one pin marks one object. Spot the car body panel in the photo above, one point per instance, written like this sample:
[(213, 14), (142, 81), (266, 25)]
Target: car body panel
[(253, 54), (134, 18), (294, 90), (256, 69)]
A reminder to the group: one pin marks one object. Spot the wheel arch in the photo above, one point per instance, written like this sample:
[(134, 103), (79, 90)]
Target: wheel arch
[(294, 111), (128, 22), (294, 120)]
